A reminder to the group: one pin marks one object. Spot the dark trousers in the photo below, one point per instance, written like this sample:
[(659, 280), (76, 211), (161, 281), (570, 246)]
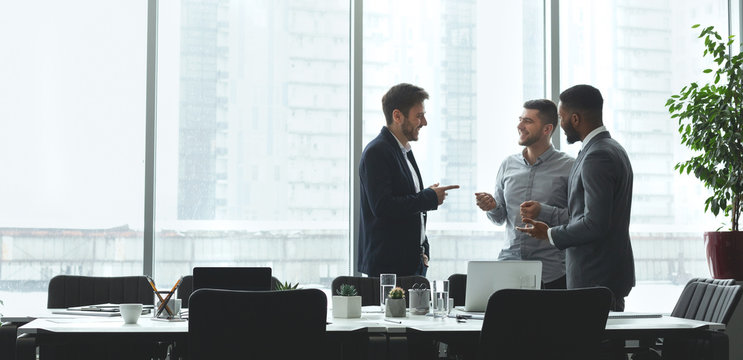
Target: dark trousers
[(422, 268), (560, 283)]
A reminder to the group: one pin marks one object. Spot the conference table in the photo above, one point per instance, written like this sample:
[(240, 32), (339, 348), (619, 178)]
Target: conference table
[(387, 335)]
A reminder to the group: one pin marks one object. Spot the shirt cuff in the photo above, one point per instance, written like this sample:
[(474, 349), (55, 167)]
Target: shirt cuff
[(549, 236)]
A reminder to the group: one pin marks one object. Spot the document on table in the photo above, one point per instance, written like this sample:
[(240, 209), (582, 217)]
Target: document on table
[(104, 310), (632, 315)]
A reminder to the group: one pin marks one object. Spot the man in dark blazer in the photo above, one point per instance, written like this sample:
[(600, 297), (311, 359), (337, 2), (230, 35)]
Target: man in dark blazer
[(596, 239), (393, 201)]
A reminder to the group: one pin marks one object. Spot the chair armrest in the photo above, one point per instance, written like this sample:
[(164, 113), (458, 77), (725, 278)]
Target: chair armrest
[(8, 333), (25, 347)]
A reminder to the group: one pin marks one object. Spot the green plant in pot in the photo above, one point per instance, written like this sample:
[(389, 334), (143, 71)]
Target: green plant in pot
[(395, 304), (286, 286), (347, 302), (710, 118)]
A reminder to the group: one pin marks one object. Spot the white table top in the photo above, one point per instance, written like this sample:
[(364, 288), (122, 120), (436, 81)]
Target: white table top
[(371, 321)]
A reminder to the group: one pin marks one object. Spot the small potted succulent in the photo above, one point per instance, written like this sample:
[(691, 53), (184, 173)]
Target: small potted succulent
[(395, 306), (286, 286), (347, 304)]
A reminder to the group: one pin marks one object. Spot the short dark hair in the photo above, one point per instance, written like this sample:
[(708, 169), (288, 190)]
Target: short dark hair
[(402, 97), (547, 111), (586, 99)]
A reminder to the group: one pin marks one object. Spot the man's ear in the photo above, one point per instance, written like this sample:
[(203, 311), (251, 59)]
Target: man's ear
[(576, 119), (397, 116), (548, 129)]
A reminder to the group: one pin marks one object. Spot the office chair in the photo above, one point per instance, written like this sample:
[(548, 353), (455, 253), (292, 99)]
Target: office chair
[(8, 333), (73, 290), (458, 288), (712, 281), (233, 324), (707, 301), (186, 288), (368, 287), (232, 278), (544, 324)]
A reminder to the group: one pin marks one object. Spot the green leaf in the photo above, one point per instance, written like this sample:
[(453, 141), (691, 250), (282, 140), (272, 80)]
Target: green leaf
[(707, 71), (695, 26)]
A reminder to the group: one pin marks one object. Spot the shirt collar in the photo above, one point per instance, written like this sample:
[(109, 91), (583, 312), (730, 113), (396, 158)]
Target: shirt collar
[(591, 135), (545, 155), (405, 148)]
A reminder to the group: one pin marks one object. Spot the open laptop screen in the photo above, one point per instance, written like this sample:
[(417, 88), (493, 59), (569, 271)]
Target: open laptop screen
[(486, 277)]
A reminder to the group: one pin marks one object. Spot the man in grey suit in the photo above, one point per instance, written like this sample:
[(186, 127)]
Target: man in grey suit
[(596, 239)]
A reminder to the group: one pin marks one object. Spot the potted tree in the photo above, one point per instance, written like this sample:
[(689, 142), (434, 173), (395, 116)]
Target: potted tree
[(710, 118), (347, 304), (395, 304)]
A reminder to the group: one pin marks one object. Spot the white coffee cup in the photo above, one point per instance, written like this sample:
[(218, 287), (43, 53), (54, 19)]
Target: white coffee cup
[(130, 312)]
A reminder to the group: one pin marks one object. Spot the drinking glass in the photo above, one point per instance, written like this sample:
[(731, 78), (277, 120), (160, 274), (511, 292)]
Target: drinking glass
[(386, 283), (440, 300)]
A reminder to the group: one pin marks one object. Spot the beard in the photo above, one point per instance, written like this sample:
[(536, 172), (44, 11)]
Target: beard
[(530, 140), (410, 131), (570, 132)]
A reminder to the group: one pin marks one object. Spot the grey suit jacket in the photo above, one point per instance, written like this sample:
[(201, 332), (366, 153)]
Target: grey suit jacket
[(596, 239)]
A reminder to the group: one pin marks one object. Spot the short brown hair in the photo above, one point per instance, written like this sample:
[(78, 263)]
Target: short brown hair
[(402, 97), (547, 111)]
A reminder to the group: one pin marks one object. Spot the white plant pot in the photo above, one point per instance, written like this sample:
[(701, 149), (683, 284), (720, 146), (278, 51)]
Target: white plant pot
[(346, 307), (395, 308)]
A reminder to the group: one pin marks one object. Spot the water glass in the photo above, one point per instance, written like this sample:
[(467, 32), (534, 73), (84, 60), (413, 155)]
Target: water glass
[(440, 301), (386, 283)]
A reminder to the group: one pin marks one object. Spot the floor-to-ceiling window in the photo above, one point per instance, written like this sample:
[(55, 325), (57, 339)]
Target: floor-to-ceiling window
[(639, 53), (72, 107), (252, 138), (478, 79), (253, 126)]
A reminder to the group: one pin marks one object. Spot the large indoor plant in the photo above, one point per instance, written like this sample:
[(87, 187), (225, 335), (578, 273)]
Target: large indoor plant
[(710, 118)]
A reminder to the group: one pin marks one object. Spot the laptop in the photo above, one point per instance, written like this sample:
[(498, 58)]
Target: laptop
[(232, 278), (486, 277)]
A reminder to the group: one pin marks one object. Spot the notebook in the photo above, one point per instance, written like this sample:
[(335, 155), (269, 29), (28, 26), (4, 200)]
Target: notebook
[(486, 277)]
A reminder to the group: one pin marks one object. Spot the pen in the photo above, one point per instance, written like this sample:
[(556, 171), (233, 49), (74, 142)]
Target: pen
[(393, 321), (154, 289), (167, 298)]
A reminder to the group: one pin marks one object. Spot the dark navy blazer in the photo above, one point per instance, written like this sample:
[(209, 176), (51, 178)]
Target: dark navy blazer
[(391, 207)]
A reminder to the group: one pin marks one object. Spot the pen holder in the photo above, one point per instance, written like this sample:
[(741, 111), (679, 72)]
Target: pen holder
[(174, 305), (419, 300)]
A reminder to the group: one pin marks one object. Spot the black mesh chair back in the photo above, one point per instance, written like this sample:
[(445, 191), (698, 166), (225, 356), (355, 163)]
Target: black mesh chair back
[(458, 288), (545, 324), (186, 288), (232, 278), (713, 281), (368, 287), (73, 290), (707, 301), (232, 324)]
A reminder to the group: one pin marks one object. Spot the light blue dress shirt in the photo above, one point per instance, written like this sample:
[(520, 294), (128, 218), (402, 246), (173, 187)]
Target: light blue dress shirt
[(546, 182)]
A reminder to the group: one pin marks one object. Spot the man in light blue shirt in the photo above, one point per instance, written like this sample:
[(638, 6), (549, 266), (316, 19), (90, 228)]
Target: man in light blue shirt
[(532, 184)]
